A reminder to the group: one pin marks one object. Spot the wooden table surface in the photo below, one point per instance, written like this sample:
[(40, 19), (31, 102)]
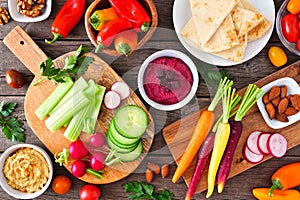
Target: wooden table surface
[(238, 187)]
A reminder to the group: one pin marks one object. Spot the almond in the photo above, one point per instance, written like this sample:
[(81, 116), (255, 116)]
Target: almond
[(149, 175), (296, 101), (270, 110), (289, 111), (153, 167), (281, 117), (283, 104), (283, 91), (274, 92), (276, 101), (266, 98), (165, 170), (290, 97)]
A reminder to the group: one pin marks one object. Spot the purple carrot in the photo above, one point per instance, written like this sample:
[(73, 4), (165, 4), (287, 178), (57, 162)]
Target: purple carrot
[(236, 128), (204, 153)]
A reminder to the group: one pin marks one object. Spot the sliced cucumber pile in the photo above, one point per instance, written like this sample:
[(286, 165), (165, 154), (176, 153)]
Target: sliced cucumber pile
[(125, 132)]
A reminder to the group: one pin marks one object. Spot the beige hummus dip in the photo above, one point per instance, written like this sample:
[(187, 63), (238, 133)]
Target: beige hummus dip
[(26, 170)]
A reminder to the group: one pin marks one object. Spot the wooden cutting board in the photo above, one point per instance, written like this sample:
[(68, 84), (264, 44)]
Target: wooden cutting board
[(178, 134), (20, 43)]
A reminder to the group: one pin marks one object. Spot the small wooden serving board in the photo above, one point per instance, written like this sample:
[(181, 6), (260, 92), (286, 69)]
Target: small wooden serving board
[(20, 43), (178, 134)]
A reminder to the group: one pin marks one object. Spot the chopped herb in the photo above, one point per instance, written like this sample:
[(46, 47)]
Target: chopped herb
[(75, 65), (142, 190), (11, 127)]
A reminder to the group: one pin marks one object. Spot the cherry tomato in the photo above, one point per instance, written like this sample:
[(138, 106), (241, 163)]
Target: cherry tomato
[(293, 6), (14, 79), (277, 56), (290, 27), (90, 192), (61, 184)]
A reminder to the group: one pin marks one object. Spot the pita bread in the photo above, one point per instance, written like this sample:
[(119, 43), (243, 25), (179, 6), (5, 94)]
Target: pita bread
[(244, 20), (224, 38), (261, 29), (236, 53), (208, 16)]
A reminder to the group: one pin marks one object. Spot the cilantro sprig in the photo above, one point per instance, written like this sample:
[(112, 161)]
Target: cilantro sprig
[(11, 127), (142, 190), (74, 66)]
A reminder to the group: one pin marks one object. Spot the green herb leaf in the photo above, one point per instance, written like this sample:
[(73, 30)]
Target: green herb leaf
[(74, 65), (13, 130), (7, 108), (142, 190)]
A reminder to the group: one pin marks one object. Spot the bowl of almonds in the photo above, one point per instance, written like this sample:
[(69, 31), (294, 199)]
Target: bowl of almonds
[(280, 105)]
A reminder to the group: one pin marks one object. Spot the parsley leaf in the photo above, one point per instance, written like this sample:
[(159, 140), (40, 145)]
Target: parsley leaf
[(74, 65), (11, 127), (142, 190)]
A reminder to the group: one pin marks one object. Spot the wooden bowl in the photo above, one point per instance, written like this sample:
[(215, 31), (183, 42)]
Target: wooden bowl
[(142, 37)]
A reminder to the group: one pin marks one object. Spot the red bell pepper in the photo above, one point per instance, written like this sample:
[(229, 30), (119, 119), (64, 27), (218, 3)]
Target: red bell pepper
[(134, 12), (109, 31), (67, 18)]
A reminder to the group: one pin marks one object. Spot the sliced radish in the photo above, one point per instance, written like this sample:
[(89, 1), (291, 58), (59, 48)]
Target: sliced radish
[(277, 145), (252, 142), (112, 100), (262, 143), (252, 157), (121, 88)]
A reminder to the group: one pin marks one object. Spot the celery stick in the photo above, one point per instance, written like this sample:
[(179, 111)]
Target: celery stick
[(90, 122), (46, 107), (67, 111), (75, 127), (79, 84)]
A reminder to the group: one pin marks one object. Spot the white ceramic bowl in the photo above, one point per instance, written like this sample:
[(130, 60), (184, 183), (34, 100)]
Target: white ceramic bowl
[(16, 193), (187, 61), (293, 88), (15, 15)]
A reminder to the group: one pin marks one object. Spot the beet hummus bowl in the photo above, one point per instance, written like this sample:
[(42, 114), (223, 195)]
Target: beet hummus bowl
[(168, 80)]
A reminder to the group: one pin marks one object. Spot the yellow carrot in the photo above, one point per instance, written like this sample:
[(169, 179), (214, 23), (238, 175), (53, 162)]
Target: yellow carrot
[(205, 122), (222, 136)]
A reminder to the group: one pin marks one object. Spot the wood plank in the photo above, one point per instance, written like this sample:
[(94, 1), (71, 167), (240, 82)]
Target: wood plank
[(98, 71), (178, 134)]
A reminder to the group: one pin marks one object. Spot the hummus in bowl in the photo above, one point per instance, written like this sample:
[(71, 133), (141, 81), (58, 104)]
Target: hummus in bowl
[(168, 80), (25, 171)]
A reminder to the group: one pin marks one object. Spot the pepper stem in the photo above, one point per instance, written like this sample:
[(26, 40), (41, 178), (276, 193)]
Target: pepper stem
[(124, 49), (276, 185), (99, 47), (56, 36), (145, 26)]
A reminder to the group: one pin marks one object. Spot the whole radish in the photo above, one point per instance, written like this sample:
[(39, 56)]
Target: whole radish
[(78, 150), (97, 161)]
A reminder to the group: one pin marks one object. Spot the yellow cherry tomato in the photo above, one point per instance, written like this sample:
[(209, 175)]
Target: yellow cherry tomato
[(293, 6), (277, 56)]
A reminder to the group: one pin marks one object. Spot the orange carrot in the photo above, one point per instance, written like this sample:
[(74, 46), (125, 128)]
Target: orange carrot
[(205, 122)]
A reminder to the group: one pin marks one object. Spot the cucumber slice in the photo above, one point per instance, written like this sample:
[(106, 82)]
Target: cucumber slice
[(112, 145), (131, 121), (120, 138), (133, 155)]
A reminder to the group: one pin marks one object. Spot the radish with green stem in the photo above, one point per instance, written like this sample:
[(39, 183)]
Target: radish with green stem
[(204, 154), (252, 94)]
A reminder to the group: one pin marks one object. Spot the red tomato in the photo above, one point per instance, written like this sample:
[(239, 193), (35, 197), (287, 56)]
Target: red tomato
[(90, 192), (290, 27), (61, 184), (298, 44)]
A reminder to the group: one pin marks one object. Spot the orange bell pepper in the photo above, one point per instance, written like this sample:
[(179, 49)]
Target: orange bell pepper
[(263, 194), (286, 177)]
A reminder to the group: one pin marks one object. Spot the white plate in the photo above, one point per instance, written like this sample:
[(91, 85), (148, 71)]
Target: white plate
[(182, 13), (14, 13), (293, 88)]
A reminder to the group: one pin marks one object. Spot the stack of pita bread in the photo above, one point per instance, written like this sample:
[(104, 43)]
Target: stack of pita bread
[(224, 27)]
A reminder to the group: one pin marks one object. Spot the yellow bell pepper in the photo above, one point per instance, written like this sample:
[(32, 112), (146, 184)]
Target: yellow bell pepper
[(101, 17)]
